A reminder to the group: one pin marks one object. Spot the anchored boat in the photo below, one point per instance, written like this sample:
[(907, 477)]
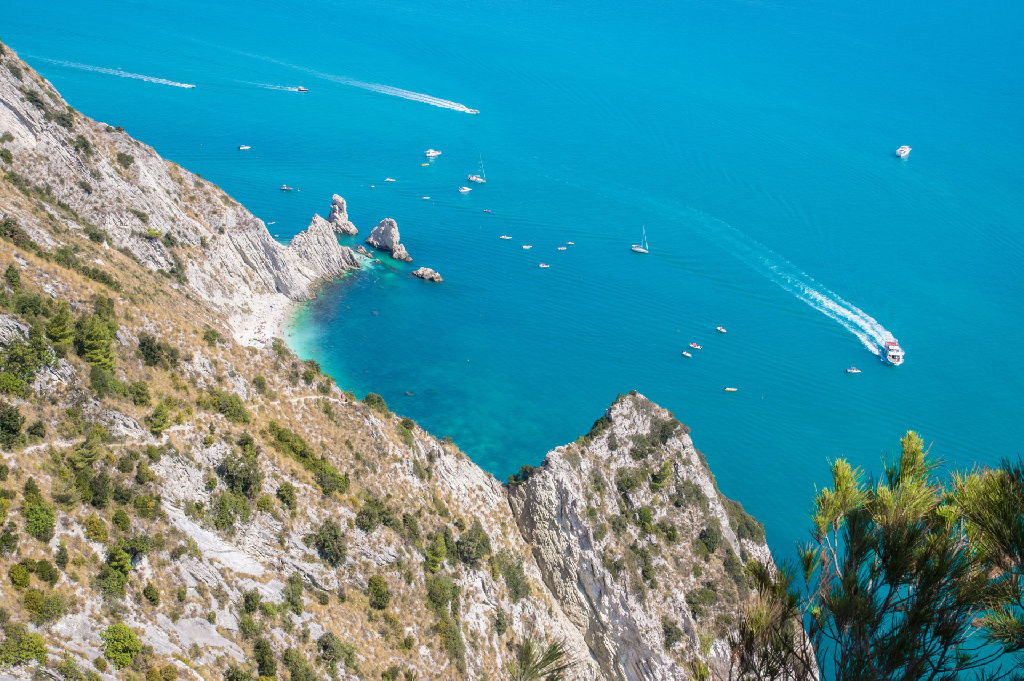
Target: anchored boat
[(642, 246)]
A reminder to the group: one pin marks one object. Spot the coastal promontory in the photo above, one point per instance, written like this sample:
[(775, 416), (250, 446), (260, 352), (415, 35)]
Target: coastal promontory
[(182, 496)]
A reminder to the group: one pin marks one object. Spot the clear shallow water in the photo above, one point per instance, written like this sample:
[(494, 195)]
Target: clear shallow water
[(754, 141)]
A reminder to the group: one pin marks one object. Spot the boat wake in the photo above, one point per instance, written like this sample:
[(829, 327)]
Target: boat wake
[(375, 87), (271, 86), (789, 277), (113, 72)]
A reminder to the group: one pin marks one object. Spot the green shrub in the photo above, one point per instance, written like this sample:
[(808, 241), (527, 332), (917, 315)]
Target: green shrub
[(19, 576), (473, 545), (151, 594), (11, 423), (21, 647), (377, 590), (260, 384), (329, 542), (291, 443), (159, 420), (376, 402), (672, 632), (511, 568), (375, 512), (263, 655), (125, 160), (437, 551), (626, 480), (231, 406), (286, 493), (251, 601), (711, 536), (40, 516), (241, 472), (120, 645), (95, 529), (249, 627), (292, 593), (700, 599), (661, 478), (265, 504), (522, 476), (157, 353), (6, 156)]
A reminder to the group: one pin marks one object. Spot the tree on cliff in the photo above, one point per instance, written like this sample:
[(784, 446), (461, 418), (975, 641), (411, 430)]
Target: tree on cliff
[(907, 577), (98, 344)]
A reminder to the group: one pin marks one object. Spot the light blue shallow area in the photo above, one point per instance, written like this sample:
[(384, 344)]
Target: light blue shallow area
[(753, 140)]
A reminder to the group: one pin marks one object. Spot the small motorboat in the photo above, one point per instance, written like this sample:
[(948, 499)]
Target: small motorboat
[(686, 354), (543, 265), (464, 190), (473, 111), (285, 188), (570, 243), (903, 151), (302, 89), (527, 247), (561, 248), (479, 179), (432, 153), (504, 237), (243, 147), (487, 210), (424, 164), (272, 223), (853, 370), (730, 390), (389, 179), (427, 198), (695, 346), (720, 329)]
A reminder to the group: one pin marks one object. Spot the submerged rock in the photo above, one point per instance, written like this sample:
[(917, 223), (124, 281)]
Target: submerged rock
[(428, 274), (385, 237)]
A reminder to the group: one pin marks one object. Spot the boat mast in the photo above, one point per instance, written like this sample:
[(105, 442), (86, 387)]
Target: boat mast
[(482, 173)]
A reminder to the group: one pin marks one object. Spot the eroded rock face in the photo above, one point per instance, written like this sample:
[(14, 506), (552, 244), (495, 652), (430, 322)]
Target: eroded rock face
[(125, 188), (620, 577), (428, 274), (339, 217), (385, 237)]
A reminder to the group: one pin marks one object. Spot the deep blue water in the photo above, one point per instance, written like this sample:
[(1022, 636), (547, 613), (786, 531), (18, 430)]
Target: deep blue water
[(754, 140)]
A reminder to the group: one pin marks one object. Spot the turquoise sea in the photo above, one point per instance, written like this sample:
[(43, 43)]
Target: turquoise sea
[(753, 140)]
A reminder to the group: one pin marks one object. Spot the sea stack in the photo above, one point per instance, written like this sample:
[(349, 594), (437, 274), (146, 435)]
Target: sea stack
[(428, 274), (384, 237), (339, 217)]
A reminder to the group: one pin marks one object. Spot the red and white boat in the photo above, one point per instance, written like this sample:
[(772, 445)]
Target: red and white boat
[(720, 329), (695, 346), (892, 352), (544, 265)]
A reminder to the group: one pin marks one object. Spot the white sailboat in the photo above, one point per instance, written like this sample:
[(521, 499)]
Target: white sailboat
[(482, 177), (642, 246)]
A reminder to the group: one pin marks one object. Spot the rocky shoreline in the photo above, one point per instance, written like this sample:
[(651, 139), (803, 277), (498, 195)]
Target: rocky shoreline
[(265, 482)]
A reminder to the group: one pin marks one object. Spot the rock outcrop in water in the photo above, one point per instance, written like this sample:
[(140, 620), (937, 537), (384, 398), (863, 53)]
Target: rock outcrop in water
[(219, 499), (385, 237), (338, 218), (428, 274)]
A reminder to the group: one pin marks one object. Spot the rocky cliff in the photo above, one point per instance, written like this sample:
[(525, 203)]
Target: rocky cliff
[(178, 505)]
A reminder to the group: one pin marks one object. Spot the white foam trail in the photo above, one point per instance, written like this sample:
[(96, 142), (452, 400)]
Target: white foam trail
[(269, 86), (779, 270), (113, 72), (375, 87)]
